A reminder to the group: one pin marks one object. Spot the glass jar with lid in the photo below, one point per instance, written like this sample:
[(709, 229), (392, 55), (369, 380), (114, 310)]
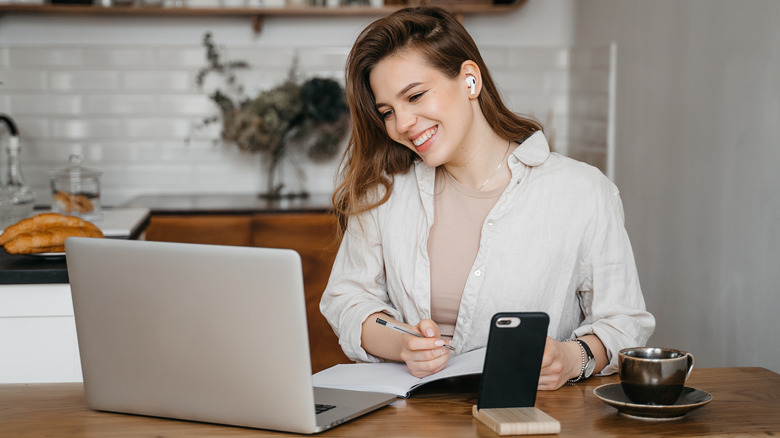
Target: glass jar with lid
[(76, 191)]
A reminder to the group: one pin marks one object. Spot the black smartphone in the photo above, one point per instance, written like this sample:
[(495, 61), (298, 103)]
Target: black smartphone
[(513, 360)]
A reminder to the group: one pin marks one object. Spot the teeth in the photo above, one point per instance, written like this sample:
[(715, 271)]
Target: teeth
[(424, 136)]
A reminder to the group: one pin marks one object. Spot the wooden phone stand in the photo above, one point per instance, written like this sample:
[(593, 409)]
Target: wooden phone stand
[(517, 421)]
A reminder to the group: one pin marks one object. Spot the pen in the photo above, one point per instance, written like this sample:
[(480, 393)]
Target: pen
[(381, 321)]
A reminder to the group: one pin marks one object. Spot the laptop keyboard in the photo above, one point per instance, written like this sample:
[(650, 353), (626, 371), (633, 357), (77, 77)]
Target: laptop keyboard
[(320, 408)]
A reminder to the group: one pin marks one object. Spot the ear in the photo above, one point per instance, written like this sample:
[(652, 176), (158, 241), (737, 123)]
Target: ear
[(470, 69)]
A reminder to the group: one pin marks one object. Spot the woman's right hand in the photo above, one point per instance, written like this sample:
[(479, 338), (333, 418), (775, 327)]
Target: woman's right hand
[(424, 356)]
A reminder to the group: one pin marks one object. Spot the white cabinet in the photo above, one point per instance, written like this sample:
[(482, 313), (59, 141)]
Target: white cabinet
[(38, 334)]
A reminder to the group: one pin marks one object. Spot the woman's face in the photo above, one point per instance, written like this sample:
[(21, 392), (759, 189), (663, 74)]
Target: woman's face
[(422, 108)]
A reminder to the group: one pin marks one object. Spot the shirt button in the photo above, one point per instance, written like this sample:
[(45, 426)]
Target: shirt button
[(491, 222), (478, 272)]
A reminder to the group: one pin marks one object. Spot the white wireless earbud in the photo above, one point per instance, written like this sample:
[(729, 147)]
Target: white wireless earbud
[(472, 83)]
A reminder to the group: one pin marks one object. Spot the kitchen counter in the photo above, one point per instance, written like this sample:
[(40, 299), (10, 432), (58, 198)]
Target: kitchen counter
[(183, 204), (36, 306), (121, 223)]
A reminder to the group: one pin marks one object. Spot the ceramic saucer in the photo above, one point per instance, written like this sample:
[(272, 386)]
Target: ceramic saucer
[(690, 399)]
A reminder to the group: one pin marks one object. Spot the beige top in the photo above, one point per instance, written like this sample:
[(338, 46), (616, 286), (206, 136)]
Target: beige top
[(459, 213)]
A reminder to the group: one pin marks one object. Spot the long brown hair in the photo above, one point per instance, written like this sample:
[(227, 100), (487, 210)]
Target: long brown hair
[(372, 158)]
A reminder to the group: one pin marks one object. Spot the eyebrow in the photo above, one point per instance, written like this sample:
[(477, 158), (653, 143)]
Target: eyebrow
[(401, 93)]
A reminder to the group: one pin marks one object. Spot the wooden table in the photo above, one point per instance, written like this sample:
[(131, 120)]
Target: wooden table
[(745, 402)]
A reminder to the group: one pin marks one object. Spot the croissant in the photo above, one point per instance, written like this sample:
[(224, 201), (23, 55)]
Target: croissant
[(40, 222), (48, 240)]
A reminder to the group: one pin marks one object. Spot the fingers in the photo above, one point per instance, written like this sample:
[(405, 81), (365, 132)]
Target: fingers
[(552, 375), (549, 383), (549, 354), (424, 362), (429, 329), (421, 349), (425, 356)]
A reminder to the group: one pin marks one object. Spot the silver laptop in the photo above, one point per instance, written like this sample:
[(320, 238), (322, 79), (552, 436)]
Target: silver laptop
[(200, 332)]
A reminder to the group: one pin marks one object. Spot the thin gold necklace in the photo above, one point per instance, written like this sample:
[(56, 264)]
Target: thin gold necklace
[(495, 172)]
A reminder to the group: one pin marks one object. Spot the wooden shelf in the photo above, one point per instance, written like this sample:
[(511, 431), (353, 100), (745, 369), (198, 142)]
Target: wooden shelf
[(256, 14)]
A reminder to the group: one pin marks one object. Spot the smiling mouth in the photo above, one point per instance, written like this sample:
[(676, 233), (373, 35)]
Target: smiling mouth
[(422, 138)]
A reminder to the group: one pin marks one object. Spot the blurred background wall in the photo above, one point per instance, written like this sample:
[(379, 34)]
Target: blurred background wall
[(697, 155)]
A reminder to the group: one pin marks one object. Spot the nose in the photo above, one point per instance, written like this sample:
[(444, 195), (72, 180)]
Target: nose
[(404, 120)]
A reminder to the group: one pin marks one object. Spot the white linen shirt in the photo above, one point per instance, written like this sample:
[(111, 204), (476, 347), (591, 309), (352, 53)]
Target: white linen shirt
[(555, 242)]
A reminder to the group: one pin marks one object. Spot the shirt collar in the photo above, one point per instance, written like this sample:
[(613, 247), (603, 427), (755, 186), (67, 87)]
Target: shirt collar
[(534, 151)]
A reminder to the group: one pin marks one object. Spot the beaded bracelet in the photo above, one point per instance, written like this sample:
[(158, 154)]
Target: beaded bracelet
[(582, 369)]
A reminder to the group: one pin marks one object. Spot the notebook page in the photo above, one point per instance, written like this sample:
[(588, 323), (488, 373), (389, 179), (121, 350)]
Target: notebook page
[(394, 378)]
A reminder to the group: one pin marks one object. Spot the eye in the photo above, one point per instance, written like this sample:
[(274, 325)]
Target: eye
[(384, 115), (415, 97)]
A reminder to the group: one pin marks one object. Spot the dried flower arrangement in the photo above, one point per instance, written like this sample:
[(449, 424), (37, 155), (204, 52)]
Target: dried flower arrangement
[(311, 116)]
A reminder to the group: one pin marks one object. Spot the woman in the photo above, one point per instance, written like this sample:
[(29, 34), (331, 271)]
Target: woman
[(452, 208)]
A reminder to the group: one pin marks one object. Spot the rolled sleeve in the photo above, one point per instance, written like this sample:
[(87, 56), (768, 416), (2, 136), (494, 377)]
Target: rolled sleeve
[(357, 286), (611, 297)]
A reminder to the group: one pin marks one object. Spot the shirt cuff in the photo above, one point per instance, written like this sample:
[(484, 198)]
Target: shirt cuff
[(615, 340)]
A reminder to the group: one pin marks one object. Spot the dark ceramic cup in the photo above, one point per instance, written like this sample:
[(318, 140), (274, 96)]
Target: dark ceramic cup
[(653, 376)]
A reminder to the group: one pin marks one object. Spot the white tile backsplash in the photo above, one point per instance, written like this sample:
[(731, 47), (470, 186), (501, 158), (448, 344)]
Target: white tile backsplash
[(186, 105), (45, 57), (46, 105), (258, 57), (524, 81), (113, 58), (118, 105), (164, 81), (189, 58), (5, 103), (589, 103), (494, 57), (135, 112), (537, 58), (157, 128), (30, 128), (322, 58), (22, 80), (83, 81), (590, 58), (329, 74), (86, 129), (47, 153)]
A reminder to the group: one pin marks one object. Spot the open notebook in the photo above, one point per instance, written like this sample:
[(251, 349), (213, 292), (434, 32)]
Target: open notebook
[(394, 378)]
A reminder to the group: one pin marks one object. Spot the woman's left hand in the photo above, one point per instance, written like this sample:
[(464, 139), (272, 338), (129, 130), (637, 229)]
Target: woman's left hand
[(561, 361)]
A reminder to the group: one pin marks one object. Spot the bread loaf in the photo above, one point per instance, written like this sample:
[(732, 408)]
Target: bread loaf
[(40, 222), (48, 240), (45, 232)]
